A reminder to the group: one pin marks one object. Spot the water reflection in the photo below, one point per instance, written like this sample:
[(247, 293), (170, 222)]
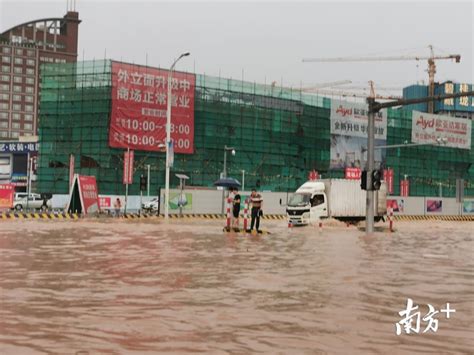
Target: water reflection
[(120, 288)]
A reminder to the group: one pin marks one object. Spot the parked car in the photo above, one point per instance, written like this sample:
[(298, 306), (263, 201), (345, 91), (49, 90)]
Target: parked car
[(34, 201), (22, 195), (151, 206)]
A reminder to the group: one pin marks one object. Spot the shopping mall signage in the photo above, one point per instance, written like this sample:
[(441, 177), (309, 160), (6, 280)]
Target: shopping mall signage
[(351, 119), (430, 129), (139, 103), (17, 147), (463, 103)]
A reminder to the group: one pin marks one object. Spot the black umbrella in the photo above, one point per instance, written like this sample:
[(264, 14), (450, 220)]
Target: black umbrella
[(227, 182)]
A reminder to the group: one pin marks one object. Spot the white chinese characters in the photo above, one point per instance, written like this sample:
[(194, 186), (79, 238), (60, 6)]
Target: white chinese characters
[(410, 323)]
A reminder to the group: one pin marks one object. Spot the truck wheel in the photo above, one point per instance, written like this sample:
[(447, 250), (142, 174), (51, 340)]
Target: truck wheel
[(18, 207)]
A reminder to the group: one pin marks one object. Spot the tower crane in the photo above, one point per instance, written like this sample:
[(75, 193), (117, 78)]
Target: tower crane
[(348, 94), (372, 93), (431, 65)]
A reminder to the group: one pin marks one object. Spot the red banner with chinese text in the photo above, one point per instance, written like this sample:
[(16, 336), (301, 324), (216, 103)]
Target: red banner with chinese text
[(139, 103), (6, 195), (352, 173), (89, 193), (128, 158), (404, 187), (388, 178)]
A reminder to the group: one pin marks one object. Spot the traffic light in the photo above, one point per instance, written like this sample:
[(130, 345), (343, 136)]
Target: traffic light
[(363, 180), (143, 183), (376, 180)]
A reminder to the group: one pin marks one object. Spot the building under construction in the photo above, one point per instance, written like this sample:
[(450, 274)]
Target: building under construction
[(279, 136)]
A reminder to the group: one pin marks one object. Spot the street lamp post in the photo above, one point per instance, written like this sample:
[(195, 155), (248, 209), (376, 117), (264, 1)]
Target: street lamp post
[(168, 135), (224, 173)]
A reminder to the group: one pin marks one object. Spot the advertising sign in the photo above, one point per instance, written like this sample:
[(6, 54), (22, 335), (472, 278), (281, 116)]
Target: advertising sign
[(349, 135), (177, 199), (468, 206), (352, 173), (88, 193), (434, 205), (388, 178), (128, 167), (139, 104), (397, 205), (105, 202), (6, 195), (19, 179), (351, 119), (427, 128)]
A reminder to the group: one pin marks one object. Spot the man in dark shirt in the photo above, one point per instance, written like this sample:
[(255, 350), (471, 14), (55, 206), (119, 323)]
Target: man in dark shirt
[(236, 208), (257, 202)]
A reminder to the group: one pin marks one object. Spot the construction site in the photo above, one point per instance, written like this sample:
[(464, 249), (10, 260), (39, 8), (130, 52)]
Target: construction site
[(279, 135)]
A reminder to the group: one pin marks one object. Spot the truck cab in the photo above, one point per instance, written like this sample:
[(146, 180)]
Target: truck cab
[(308, 204)]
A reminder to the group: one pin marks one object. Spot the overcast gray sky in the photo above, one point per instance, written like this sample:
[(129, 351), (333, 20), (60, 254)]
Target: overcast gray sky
[(267, 40)]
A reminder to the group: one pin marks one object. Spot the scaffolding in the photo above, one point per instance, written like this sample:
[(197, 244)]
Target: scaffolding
[(279, 135)]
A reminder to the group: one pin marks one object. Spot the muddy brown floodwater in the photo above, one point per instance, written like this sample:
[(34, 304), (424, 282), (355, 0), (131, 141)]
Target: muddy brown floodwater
[(123, 287)]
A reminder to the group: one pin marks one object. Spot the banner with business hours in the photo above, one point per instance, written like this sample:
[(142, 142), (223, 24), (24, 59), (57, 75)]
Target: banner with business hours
[(428, 128), (88, 193), (139, 108), (388, 178), (352, 173), (7, 192)]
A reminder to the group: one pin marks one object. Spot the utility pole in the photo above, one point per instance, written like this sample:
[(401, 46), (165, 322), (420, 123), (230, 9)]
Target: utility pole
[(126, 185), (369, 215), (148, 180)]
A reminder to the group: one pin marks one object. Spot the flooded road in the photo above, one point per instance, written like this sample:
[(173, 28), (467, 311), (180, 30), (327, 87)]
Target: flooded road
[(125, 287)]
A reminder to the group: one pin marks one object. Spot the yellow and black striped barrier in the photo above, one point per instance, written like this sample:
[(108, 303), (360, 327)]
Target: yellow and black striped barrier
[(130, 216), (194, 215), (243, 231), (38, 215), (74, 216), (435, 218)]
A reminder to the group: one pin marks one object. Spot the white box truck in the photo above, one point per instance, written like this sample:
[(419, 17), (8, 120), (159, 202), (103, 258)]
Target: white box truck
[(341, 199)]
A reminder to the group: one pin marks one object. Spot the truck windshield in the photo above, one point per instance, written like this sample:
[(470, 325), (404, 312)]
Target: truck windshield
[(299, 200)]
